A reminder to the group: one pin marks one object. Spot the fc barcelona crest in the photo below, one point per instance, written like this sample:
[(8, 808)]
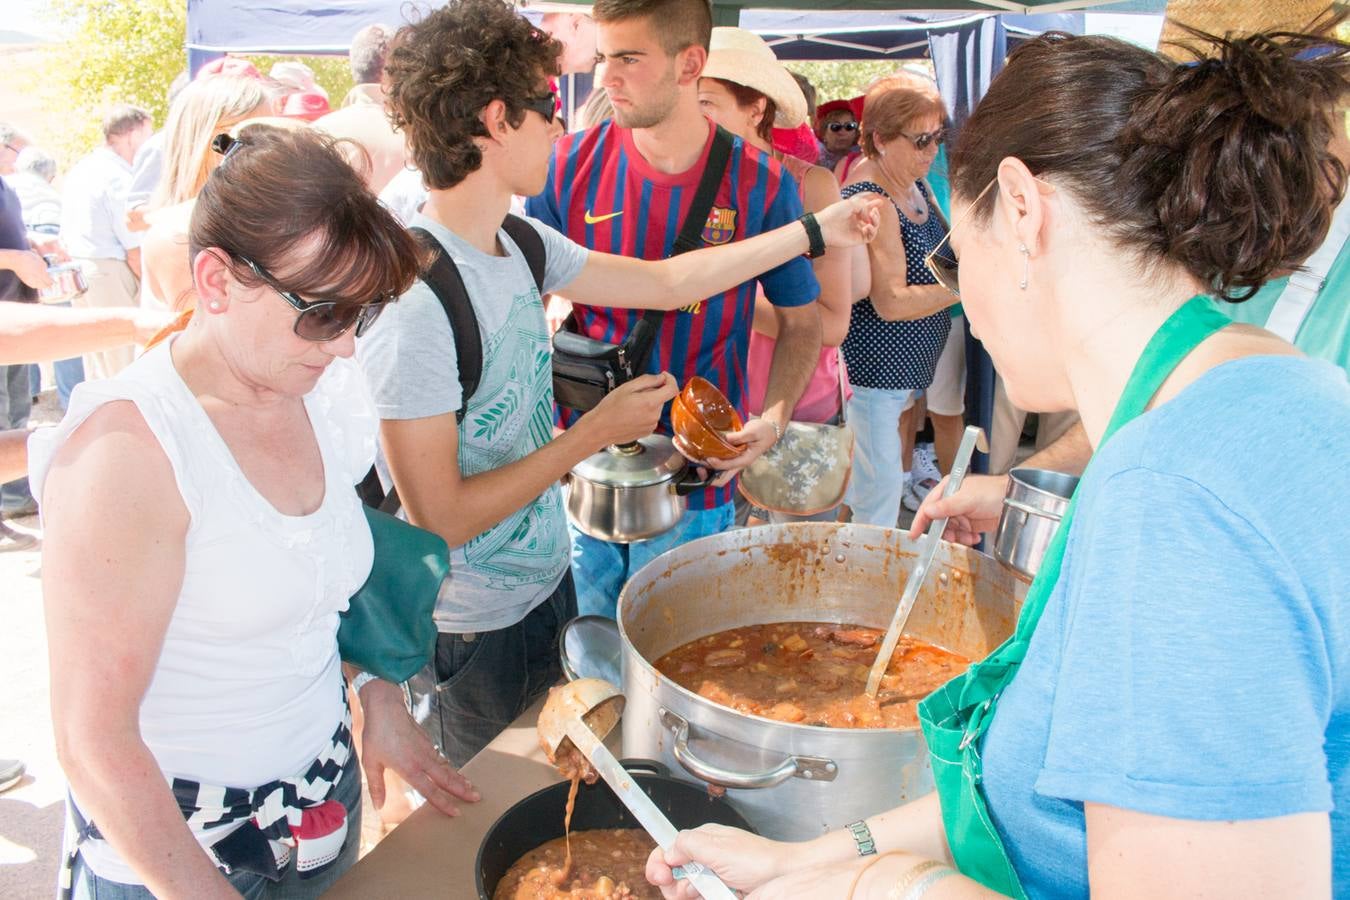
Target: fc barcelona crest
[(721, 226)]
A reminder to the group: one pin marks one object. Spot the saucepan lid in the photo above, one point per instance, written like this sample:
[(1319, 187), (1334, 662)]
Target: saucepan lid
[(650, 460)]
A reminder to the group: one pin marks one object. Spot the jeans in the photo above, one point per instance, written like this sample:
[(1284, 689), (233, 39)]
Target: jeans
[(67, 373), (16, 402), (88, 886), (878, 477), (480, 683), (602, 568)]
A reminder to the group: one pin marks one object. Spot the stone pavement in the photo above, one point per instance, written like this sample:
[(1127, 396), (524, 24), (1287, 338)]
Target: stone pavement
[(31, 812)]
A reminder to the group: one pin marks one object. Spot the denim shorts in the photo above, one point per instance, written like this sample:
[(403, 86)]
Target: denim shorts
[(88, 886), (480, 683)]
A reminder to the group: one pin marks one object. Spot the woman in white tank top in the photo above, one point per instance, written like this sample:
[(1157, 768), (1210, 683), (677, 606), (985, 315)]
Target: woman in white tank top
[(202, 536)]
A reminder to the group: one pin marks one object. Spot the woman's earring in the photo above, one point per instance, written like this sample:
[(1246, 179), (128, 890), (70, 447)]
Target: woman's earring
[(1026, 265), (214, 305)]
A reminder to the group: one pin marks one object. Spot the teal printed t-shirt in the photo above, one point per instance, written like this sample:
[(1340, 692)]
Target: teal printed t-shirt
[(1325, 333), (409, 360), (942, 197)]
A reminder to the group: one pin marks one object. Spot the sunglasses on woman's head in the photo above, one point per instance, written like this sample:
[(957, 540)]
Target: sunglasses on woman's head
[(322, 320), (842, 126), (941, 260), (922, 141)]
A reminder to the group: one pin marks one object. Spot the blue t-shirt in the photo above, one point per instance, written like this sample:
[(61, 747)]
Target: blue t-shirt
[(1194, 660)]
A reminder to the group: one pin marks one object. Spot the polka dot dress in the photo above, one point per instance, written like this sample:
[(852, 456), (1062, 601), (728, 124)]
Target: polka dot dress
[(898, 356)]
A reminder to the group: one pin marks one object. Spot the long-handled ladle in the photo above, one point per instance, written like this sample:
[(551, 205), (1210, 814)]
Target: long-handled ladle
[(974, 437), (578, 715)]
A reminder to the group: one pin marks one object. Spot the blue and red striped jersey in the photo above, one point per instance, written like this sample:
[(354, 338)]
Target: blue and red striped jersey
[(602, 194)]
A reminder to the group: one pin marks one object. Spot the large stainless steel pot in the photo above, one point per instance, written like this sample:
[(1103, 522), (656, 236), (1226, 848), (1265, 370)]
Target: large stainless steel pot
[(630, 492), (795, 781)]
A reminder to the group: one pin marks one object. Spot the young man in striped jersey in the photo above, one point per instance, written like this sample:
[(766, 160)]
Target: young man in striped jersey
[(468, 87), (624, 187)]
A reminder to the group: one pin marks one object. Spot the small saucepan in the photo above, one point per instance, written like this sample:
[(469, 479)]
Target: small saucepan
[(1036, 502), (632, 492), (539, 817), (68, 282)]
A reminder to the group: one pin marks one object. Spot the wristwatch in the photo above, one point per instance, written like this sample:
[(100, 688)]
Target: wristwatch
[(862, 836), (361, 681), (815, 240)]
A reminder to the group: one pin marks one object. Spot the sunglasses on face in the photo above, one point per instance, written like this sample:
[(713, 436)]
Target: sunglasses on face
[(837, 127), (923, 141), (546, 105), (322, 320), (941, 260)]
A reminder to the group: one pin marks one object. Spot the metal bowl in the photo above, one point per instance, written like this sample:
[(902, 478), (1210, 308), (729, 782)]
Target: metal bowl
[(1032, 510)]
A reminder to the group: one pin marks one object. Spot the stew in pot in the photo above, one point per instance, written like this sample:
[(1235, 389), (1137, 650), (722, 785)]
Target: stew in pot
[(812, 673), (606, 864)]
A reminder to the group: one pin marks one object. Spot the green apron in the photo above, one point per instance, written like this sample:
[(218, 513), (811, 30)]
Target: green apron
[(956, 716)]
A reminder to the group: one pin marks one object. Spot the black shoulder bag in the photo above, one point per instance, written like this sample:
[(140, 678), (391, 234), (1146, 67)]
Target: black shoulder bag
[(584, 369)]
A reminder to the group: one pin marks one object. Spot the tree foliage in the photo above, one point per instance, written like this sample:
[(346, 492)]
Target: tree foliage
[(126, 51), (841, 80), (116, 51)]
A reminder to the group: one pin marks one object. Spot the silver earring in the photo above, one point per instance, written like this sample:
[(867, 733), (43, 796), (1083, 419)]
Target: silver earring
[(215, 305), (1026, 265)]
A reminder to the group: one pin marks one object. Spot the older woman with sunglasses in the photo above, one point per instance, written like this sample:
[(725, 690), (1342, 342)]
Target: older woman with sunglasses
[(1172, 716), (897, 332), (202, 536)]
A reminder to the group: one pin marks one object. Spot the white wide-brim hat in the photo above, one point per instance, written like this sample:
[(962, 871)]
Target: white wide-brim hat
[(742, 57)]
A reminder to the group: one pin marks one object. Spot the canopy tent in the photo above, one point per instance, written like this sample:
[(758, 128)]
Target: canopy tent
[(880, 36), (293, 27)]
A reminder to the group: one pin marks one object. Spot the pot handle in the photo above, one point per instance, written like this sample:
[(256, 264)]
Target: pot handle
[(811, 768), (688, 482), (639, 766)]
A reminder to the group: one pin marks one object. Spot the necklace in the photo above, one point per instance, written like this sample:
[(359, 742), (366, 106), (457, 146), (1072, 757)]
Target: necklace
[(906, 195)]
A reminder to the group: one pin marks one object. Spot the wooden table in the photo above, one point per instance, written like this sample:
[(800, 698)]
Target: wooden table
[(431, 854)]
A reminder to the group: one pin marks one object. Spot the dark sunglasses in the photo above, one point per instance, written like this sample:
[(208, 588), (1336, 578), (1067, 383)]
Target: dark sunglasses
[(842, 126), (322, 320), (941, 260), (922, 141), (546, 105)]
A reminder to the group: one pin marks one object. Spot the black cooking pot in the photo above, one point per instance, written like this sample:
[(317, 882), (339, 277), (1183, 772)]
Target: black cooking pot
[(539, 817)]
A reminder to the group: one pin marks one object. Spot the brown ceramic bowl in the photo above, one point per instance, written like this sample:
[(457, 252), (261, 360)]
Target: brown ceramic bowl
[(700, 416)]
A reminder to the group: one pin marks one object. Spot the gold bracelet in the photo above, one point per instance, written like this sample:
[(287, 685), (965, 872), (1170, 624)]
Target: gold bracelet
[(899, 889), (870, 863)]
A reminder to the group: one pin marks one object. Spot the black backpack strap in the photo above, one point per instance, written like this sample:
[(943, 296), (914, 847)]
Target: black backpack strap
[(445, 282), (443, 277), (530, 244), (691, 233)]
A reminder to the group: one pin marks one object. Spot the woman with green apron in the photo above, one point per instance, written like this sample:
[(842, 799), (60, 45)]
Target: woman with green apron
[(1171, 717)]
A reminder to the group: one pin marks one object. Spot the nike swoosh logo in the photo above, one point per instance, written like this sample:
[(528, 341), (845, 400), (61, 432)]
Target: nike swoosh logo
[(592, 220)]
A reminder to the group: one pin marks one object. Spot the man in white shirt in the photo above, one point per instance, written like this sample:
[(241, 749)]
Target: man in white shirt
[(362, 117), (94, 229)]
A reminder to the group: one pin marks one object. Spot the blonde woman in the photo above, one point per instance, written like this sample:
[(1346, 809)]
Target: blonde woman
[(203, 110)]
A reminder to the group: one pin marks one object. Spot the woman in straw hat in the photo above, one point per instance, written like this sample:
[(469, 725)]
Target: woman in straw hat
[(747, 91)]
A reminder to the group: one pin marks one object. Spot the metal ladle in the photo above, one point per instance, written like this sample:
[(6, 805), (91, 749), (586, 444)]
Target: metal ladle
[(973, 437), (578, 715)]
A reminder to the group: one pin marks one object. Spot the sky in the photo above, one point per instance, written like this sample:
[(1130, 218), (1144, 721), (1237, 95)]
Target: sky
[(22, 15)]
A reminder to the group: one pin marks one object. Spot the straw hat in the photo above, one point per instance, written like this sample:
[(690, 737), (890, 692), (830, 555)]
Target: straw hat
[(1225, 16), (742, 57)]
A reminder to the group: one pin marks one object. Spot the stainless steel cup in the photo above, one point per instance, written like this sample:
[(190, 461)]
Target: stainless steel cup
[(1032, 510)]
